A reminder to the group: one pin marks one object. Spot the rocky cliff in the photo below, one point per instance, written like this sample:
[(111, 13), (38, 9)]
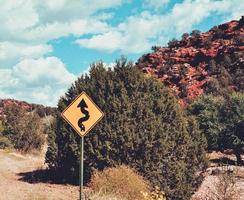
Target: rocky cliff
[(200, 62)]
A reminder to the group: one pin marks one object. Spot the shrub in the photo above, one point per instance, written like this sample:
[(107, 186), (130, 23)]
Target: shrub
[(222, 121), (155, 48), (173, 43), (239, 40), (185, 36), (157, 194), (144, 127), (120, 181), (24, 130), (232, 116), (206, 109), (98, 196), (195, 33), (2, 127), (4, 142), (51, 154), (30, 135)]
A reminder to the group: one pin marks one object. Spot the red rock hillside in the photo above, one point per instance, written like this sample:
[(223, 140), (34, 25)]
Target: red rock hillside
[(200, 62), (39, 109)]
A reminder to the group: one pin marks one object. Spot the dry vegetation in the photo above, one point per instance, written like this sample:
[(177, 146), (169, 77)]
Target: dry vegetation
[(120, 181), (220, 183)]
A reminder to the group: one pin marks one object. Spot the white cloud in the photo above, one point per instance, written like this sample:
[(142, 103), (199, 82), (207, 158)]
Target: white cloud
[(17, 15), (130, 36), (28, 25), (40, 21), (41, 80), (78, 27), (66, 10), (12, 52), (155, 4), (26, 28), (109, 41), (190, 13), (138, 33)]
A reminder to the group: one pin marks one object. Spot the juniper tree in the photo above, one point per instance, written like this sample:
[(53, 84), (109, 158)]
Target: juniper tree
[(143, 127), (232, 116), (206, 109), (221, 119)]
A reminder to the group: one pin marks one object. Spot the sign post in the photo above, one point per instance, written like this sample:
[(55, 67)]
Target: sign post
[(81, 166), (82, 114)]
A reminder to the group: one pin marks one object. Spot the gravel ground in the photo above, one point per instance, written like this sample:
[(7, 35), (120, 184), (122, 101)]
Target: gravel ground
[(13, 166), (228, 178)]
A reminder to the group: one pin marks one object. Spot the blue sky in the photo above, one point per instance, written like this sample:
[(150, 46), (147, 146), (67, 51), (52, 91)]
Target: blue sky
[(45, 45)]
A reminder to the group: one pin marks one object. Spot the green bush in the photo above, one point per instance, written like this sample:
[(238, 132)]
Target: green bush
[(51, 154), (143, 127), (24, 129), (222, 121), (206, 109), (232, 114)]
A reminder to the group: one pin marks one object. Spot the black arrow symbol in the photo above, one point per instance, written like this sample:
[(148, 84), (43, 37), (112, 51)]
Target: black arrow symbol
[(83, 108)]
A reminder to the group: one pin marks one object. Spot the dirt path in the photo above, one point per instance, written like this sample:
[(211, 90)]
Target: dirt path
[(13, 166), (16, 170)]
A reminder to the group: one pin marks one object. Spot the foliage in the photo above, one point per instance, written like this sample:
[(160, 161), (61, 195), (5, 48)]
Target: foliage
[(214, 60), (185, 36), (195, 33), (98, 196), (120, 181), (206, 109), (2, 127), (239, 40), (173, 43), (24, 130), (222, 121), (218, 32), (51, 154), (143, 127), (157, 194), (155, 48), (226, 70), (4, 142), (232, 115), (43, 111)]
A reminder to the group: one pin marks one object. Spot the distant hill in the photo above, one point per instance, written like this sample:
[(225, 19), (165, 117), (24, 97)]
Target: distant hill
[(200, 62), (41, 110)]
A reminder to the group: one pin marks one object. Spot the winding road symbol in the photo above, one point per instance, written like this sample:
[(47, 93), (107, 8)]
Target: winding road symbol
[(82, 114), (83, 108)]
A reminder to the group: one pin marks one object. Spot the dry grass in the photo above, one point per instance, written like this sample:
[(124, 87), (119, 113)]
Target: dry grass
[(121, 182), (98, 196)]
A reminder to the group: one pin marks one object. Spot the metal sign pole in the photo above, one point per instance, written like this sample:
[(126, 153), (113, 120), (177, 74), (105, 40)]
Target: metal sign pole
[(81, 166), (82, 114)]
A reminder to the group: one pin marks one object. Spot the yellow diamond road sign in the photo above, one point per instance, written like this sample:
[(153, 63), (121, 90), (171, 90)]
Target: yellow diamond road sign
[(82, 114)]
